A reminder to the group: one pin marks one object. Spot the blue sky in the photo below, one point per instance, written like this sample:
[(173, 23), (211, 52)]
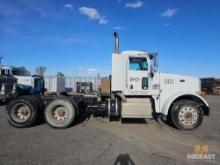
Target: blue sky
[(76, 37)]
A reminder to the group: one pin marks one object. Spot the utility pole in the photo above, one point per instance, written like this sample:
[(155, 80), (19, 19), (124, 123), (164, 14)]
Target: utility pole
[(1, 60)]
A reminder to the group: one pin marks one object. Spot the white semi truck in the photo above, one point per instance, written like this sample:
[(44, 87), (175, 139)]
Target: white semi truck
[(136, 89)]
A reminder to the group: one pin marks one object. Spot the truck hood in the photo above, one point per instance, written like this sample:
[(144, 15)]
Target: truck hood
[(179, 83)]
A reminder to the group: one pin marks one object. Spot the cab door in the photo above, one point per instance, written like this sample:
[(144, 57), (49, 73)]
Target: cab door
[(138, 72)]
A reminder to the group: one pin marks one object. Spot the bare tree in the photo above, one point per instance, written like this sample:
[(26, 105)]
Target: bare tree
[(40, 70), (20, 71)]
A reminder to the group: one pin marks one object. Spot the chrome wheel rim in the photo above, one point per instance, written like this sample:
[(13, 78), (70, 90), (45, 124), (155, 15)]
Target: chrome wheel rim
[(188, 116)]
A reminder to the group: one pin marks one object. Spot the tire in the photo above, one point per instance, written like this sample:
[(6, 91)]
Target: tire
[(186, 115), (60, 113), (40, 107), (22, 112)]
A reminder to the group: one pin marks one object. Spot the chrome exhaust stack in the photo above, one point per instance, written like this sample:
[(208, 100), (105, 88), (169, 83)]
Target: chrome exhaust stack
[(116, 40)]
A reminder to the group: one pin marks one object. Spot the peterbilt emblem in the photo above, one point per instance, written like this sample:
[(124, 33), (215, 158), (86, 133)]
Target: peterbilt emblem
[(134, 78)]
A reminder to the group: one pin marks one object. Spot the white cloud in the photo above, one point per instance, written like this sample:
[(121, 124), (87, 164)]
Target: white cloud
[(92, 71), (169, 13), (93, 14), (118, 28), (134, 5), (79, 68), (69, 6)]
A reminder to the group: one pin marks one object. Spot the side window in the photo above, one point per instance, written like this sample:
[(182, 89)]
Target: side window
[(138, 63)]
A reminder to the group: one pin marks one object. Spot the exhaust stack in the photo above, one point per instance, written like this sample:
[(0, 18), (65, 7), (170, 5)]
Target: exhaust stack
[(116, 38)]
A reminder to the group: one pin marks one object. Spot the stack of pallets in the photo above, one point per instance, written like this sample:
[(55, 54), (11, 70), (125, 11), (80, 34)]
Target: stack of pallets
[(216, 88)]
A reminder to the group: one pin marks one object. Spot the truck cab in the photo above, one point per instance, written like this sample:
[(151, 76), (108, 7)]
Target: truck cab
[(135, 73), (143, 91)]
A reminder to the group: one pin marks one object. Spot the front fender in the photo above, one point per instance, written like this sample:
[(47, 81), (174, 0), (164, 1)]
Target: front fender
[(171, 99)]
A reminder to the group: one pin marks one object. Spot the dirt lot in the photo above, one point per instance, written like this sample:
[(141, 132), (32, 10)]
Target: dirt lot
[(97, 141)]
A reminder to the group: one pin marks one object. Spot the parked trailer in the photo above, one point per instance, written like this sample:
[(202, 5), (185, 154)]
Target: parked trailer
[(54, 84), (135, 90)]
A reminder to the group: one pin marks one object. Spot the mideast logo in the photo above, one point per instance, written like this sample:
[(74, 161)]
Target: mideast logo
[(201, 152)]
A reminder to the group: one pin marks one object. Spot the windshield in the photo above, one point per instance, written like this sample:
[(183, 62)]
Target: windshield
[(138, 63)]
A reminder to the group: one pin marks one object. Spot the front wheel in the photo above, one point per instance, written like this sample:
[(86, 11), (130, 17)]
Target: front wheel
[(186, 114)]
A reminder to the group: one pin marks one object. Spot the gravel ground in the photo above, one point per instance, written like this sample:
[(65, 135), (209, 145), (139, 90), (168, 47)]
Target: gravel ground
[(97, 141)]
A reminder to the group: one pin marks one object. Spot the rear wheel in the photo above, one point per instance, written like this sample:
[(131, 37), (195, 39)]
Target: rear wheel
[(186, 115), (60, 113), (22, 112)]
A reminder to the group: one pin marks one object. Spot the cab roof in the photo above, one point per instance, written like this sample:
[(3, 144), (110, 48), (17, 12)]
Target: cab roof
[(139, 52)]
